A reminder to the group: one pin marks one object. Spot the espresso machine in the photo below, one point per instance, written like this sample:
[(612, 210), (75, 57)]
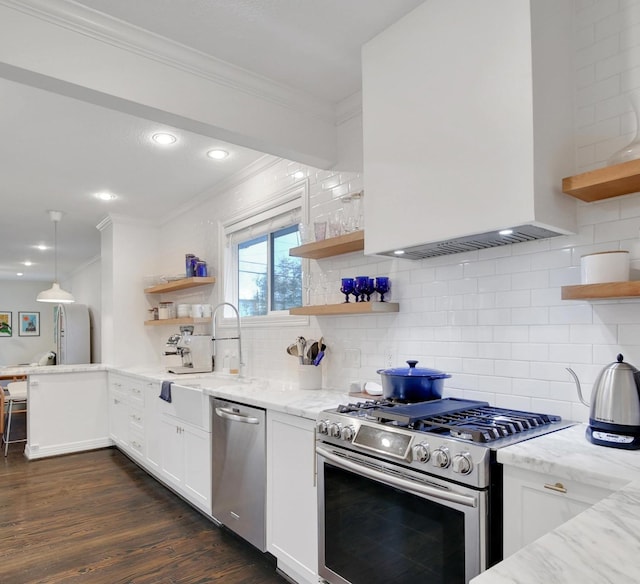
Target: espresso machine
[(195, 351)]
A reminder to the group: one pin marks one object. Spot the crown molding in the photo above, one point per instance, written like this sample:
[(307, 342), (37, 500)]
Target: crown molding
[(349, 108), (125, 36)]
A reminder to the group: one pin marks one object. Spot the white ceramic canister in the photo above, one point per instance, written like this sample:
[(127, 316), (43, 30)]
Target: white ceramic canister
[(207, 310), (196, 310), (605, 266), (309, 377)]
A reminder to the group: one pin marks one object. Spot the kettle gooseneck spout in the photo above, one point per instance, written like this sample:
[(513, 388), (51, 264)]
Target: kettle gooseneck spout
[(578, 387)]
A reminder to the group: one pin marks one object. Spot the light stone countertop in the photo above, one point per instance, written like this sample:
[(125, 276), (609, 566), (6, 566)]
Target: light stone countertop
[(263, 393), (51, 369), (599, 546)]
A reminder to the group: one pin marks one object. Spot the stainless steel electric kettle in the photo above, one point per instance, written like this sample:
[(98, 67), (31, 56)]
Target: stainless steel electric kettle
[(614, 416)]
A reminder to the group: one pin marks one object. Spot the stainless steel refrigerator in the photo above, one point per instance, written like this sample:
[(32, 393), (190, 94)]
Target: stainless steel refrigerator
[(72, 332)]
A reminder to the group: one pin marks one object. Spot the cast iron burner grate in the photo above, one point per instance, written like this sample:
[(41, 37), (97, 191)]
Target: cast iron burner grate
[(463, 419)]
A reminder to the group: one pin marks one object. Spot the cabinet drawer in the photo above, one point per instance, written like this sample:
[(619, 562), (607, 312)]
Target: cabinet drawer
[(136, 443), (537, 503), (136, 418)]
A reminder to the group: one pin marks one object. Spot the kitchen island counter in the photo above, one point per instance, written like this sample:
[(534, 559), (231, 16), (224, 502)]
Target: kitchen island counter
[(601, 544)]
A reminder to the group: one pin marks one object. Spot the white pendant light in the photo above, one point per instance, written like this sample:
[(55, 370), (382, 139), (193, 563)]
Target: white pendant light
[(55, 293)]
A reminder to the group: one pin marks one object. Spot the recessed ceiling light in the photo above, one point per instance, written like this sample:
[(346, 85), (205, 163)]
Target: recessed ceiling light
[(298, 174), (163, 138), (505, 232), (104, 196), (27, 263), (399, 252), (217, 154), (19, 274), (41, 247)]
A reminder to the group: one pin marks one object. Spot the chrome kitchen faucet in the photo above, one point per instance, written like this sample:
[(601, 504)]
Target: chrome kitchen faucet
[(236, 338)]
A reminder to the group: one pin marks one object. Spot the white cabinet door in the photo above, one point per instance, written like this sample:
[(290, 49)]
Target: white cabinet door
[(118, 422), (152, 427), (172, 463), (197, 465), (292, 506), (186, 460), (536, 503)]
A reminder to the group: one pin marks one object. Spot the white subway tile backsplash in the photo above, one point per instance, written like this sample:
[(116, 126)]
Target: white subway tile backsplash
[(513, 265), (512, 368), (529, 280), (494, 316), (494, 283), (570, 353), (593, 334), (629, 334), (463, 286), (494, 350), (513, 299), (530, 351), (511, 334), (571, 314), (549, 333), (531, 388), (494, 384), (524, 316), (478, 366)]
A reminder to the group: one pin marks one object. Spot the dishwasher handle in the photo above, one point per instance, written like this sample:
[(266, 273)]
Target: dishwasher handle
[(229, 414)]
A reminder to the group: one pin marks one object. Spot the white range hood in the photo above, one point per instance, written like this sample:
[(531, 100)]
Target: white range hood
[(468, 126)]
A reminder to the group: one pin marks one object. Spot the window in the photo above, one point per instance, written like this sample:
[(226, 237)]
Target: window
[(260, 277), (268, 279)]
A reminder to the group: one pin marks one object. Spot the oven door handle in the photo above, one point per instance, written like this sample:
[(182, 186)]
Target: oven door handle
[(400, 483)]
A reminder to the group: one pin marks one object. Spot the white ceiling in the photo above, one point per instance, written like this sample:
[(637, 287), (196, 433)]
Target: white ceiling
[(57, 151)]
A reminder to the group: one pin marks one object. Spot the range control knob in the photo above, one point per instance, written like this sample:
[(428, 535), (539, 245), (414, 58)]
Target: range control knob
[(322, 427), (421, 452), (440, 457), (334, 429), (347, 433), (462, 463)]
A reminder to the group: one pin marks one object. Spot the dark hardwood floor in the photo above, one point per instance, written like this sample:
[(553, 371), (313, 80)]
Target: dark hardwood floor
[(96, 517)]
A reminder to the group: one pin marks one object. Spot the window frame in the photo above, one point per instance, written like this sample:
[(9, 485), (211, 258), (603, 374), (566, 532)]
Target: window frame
[(279, 203)]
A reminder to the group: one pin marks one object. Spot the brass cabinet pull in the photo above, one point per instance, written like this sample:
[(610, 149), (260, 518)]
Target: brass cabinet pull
[(559, 487)]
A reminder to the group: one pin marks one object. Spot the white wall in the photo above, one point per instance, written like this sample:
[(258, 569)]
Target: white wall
[(18, 297), (493, 319)]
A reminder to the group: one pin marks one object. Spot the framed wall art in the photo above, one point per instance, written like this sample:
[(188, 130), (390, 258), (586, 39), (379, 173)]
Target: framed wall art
[(5, 324), (29, 324)]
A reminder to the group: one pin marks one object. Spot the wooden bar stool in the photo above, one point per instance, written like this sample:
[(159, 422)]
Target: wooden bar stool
[(15, 403)]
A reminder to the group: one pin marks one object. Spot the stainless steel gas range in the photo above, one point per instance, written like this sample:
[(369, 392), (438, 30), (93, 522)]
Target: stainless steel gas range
[(413, 492)]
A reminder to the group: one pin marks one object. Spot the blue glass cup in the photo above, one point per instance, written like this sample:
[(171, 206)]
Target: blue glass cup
[(383, 285), (371, 288), (347, 287), (360, 287)]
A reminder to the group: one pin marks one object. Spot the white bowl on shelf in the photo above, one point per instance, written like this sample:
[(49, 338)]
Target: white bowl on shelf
[(605, 266)]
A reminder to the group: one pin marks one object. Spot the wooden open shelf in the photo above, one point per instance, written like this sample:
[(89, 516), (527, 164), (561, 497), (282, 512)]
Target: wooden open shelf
[(346, 308), (179, 285), (604, 183), (177, 321), (611, 290), (333, 246)]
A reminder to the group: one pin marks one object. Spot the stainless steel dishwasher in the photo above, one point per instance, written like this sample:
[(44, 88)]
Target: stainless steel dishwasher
[(239, 469)]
